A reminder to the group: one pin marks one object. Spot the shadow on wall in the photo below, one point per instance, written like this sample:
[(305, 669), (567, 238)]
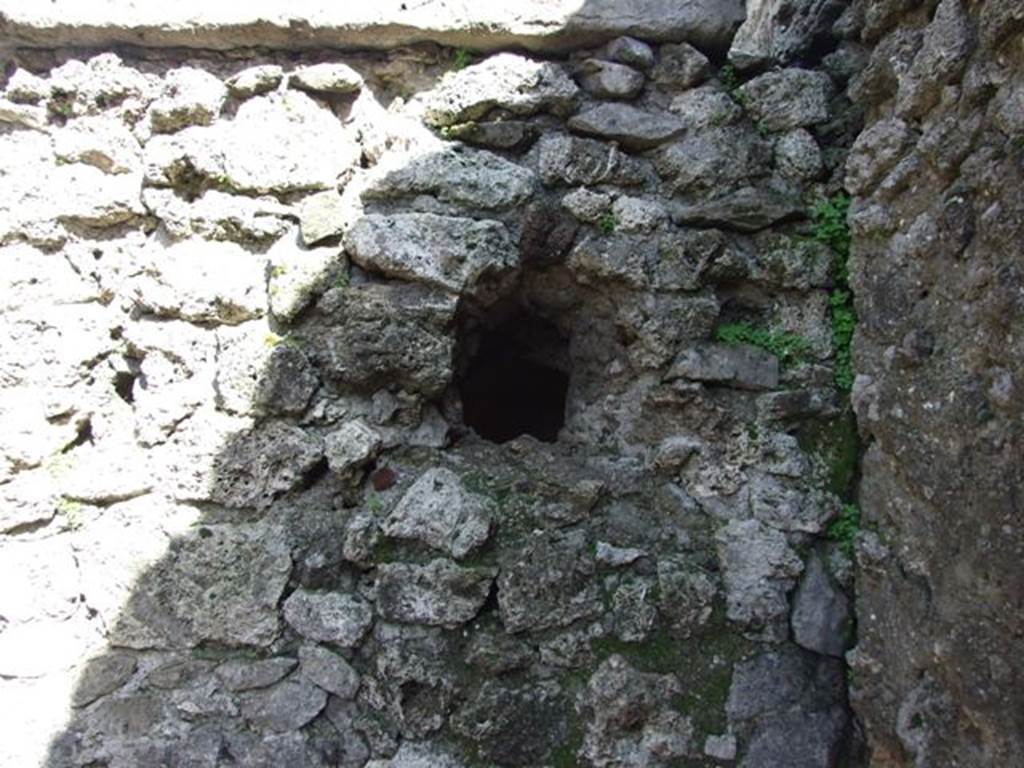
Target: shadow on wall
[(274, 390)]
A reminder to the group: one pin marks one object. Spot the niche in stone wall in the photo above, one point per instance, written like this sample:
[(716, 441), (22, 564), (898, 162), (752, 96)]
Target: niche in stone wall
[(513, 373)]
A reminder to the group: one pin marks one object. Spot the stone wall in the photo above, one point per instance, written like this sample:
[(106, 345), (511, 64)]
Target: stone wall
[(938, 222), (245, 517)]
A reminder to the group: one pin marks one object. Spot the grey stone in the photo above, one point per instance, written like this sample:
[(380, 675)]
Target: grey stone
[(217, 215), (222, 585), (417, 755), (471, 178), (632, 723), (712, 160), (616, 557), (619, 257), (721, 747), (496, 134), (875, 152), (350, 447), (253, 81), (25, 88), (496, 652), (285, 707), (608, 80), (515, 726), (566, 160), (673, 452), (191, 97), (200, 281), (685, 596), (748, 209), (680, 66), (788, 98), (628, 50), (548, 583), (287, 383), (622, 697), (798, 156), (245, 675), (792, 705), (103, 675), (393, 333), (706, 107), (742, 366), (326, 78), (439, 593), (25, 115), (328, 617), (945, 50), (321, 216), (637, 214), (439, 511), (183, 673), (586, 205), (780, 31), (255, 467), (706, 23), (329, 671), (443, 251), (278, 142), (759, 568), (102, 142), (507, 81), (546, 235), (633, 128), (632, 614), (821, 612)]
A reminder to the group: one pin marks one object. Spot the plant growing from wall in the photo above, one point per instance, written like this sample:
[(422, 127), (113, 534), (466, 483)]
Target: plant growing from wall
[(790, 348), (830, 228)]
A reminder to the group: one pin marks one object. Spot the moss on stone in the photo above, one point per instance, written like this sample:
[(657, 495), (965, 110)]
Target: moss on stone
[(837, 444)]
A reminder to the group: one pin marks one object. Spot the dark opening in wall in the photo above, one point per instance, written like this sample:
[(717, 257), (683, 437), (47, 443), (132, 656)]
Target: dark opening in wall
[(515, 378)]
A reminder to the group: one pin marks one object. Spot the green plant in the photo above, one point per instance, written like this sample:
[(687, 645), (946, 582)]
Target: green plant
[(375, 504), (762, 129), (790, 348), (607, 223), (730, 80), (844, 529), (461, 59), (830, 228), (844, 321)]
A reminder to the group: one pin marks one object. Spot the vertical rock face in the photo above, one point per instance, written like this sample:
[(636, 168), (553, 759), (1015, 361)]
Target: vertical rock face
[(938, 272), (256, 303)]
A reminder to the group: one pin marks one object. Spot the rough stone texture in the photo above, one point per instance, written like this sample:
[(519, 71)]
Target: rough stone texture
[(538, 24), (780, 31), (443, 251), (759, 570), (506, 81), (608, 80), (247, 516), (938, 392), (438, 511), (328, 617), (821, 612), (788, 98), (632, 127), (742, 366), (439, 593)]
